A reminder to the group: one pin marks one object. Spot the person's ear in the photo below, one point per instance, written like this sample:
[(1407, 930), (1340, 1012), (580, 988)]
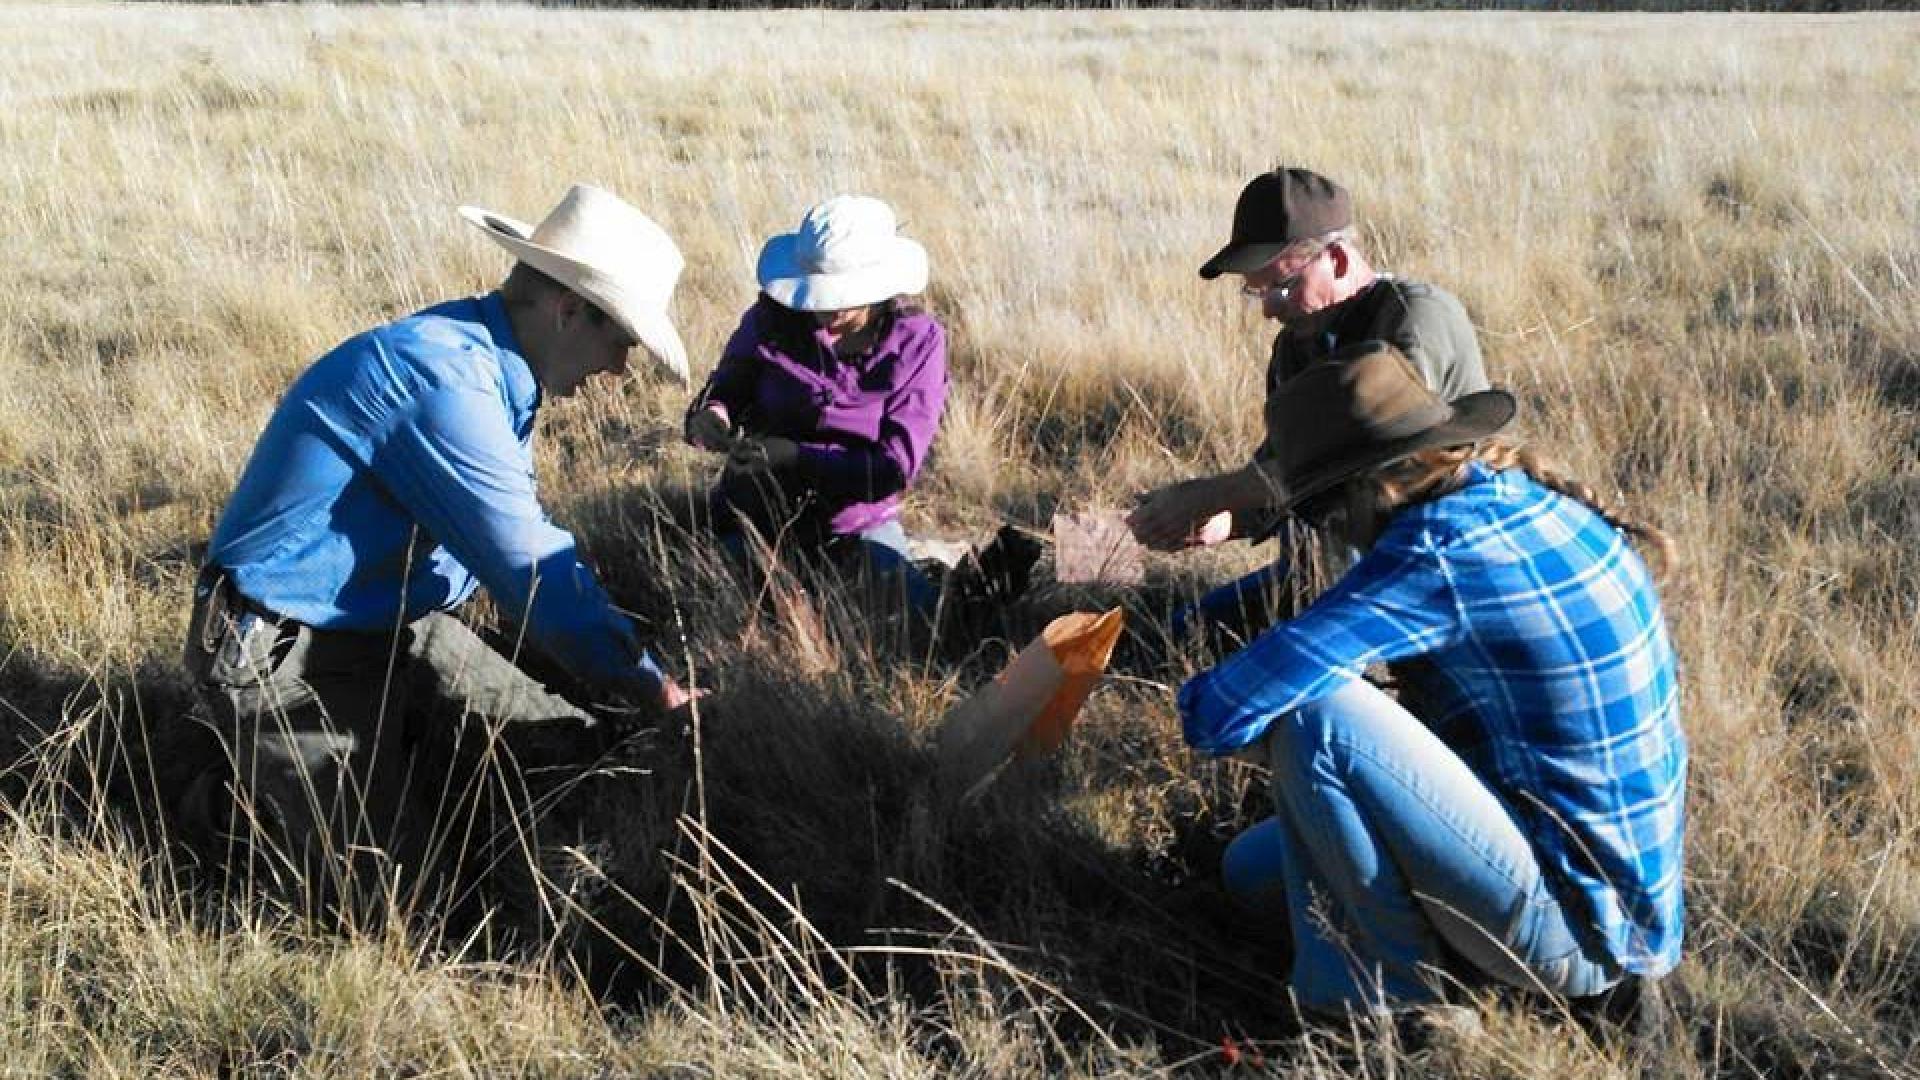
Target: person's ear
[(568, 307), (1337, 251)]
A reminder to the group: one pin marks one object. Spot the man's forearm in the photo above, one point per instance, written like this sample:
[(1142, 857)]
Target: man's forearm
[(1253, 487), (1255, 498), (1188, 514)]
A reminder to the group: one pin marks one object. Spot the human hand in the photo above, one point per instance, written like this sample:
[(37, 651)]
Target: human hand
[(652, 726), (1180, 516), (751, 457), (675, 698), (709, 429), (648, 702)]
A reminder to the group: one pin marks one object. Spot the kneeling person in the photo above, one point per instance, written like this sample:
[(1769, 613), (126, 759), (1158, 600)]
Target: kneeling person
[(828, 396), (1520, 805), (1295, 251), (394, 477)]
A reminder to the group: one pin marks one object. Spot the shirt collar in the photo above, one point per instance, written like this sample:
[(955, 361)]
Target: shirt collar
[(523, 390)]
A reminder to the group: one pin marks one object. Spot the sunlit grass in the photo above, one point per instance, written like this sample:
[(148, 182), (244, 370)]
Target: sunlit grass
[(1690, 243)]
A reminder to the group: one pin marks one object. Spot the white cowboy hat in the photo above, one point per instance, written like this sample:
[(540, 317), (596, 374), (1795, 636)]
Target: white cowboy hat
[(847, 253), (611, 254)]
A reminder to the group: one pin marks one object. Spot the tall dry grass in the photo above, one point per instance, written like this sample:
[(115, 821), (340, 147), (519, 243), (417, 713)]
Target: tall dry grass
[(1690, 244)]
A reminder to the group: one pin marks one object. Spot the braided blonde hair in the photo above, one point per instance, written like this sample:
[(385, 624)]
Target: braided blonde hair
[(1432, 474)]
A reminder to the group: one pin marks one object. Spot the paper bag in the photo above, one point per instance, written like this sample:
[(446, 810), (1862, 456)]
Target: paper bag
[(1096, 548), (1028, 708)]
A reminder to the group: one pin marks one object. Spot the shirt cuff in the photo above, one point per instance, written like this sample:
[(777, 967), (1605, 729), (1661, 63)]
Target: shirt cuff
[(648, 674), (1198, 702)]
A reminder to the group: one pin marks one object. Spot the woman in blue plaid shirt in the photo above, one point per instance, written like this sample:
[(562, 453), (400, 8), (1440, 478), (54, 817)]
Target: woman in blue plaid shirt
[(1516, 813)]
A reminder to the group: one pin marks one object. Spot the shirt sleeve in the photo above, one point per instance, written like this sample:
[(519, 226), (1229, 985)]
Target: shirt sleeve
[(909, 419), (1436, 335), (458, 468), (731, 384), (1396, 602)]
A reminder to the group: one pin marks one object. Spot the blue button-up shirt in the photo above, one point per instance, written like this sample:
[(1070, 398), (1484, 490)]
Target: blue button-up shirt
[(397, 474), (1543, 661)]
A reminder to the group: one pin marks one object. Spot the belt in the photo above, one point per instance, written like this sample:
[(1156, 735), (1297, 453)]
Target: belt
[(215, 591), (215, 588)]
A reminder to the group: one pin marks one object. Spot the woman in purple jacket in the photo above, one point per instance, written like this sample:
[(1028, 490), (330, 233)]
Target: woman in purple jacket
[(828, 396)]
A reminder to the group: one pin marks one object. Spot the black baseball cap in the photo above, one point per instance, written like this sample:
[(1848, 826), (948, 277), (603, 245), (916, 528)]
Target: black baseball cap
[(1276, 210)]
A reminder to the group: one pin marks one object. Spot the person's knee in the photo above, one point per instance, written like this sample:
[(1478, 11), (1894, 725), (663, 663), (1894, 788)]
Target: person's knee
[(1325, 729), (1300, 739), (1253, 868)]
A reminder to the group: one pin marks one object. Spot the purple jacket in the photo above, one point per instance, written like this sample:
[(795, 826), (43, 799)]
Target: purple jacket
[(863, 423)]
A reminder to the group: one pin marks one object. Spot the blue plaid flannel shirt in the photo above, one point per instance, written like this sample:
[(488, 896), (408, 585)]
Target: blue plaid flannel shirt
[(1542, 659)]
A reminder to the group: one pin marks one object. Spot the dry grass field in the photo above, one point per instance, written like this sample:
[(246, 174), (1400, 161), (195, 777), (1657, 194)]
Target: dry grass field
[(1691, 245)]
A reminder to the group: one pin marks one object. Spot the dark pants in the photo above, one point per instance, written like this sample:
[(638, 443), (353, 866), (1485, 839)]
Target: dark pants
[(872, 567), (326, 789)]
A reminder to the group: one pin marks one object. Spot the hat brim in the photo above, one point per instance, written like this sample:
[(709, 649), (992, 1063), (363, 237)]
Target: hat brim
[(902, 272), (649, 326), (1475, 417), (1240, 259)]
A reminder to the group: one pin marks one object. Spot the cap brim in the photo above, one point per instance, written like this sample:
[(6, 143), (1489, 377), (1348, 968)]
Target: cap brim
[(1475, 417), (1240, 259)]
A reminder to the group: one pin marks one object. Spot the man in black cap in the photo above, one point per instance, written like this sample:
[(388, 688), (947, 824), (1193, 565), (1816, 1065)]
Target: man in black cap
[(1293, 248)]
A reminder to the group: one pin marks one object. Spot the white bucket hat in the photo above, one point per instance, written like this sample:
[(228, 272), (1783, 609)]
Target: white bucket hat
[(611, 254), (847, 253)]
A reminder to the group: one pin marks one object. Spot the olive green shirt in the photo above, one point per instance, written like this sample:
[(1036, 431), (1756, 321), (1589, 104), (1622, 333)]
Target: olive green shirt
[(1426, 323)]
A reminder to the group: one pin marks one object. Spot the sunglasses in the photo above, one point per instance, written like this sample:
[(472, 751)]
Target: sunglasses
[(1284, 286)]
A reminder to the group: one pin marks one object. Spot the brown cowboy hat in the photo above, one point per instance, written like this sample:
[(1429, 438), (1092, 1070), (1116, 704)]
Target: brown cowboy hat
[(1361, 408)]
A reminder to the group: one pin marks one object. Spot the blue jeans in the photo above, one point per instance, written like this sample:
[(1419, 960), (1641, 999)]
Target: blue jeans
[(1389, 857), (883, 552)]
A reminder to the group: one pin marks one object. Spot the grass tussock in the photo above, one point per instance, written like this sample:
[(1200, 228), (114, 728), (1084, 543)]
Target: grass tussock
[(1689, 244)]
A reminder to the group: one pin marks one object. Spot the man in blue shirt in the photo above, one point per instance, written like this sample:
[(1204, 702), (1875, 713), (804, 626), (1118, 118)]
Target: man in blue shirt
[(394, 478), (1520, 805)]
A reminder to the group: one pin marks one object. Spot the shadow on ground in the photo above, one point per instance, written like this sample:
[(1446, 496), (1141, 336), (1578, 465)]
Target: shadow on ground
[(663, 854)]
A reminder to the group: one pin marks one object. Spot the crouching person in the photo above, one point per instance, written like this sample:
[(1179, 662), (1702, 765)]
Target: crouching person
[(395, 477), (1515, 815), (826, 401)]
